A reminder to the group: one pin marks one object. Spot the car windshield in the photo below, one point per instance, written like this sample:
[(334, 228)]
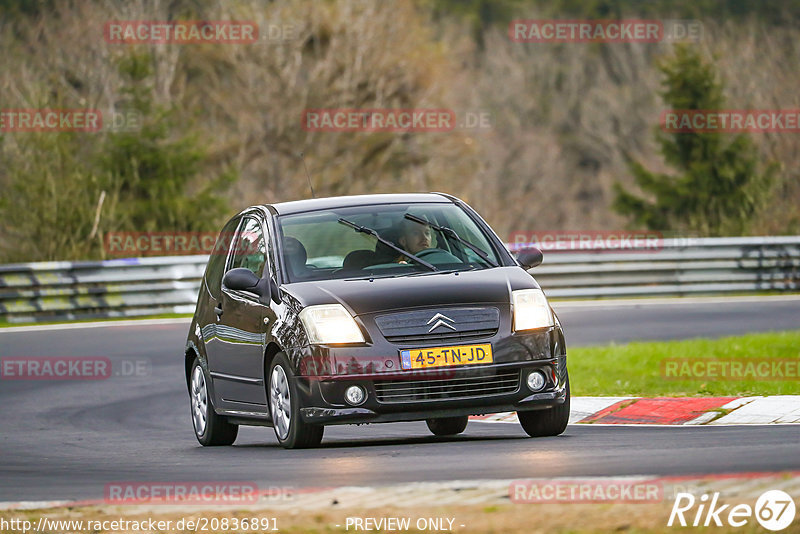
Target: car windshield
[(323, 244)]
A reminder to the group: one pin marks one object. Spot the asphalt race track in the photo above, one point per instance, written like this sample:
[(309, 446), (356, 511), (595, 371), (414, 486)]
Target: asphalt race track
[(67, 439)]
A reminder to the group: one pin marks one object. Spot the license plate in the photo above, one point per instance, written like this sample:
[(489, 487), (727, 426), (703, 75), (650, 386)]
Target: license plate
[(446, 356)]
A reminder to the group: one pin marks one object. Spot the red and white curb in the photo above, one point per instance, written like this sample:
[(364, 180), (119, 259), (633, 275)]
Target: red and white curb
[(675, 411)]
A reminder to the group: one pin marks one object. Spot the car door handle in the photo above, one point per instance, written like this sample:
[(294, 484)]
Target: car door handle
[(218, 310)]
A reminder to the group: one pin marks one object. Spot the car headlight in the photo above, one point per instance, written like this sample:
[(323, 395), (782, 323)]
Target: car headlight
[(531, 310), (330, 324)]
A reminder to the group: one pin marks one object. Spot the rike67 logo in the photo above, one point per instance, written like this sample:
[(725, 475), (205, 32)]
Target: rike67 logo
[(774, 510)]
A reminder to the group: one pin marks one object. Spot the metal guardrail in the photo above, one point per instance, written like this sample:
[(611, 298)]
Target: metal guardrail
[(679, 267), (130, 287), (31, 292)]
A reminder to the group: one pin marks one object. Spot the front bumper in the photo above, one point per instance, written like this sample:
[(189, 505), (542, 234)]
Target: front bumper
[(324, 373), (416, 412), (394, 395)]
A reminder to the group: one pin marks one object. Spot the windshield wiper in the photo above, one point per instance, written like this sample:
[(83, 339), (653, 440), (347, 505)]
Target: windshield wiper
[(374, 276), (449, 271), (452, 233), (373, 233)]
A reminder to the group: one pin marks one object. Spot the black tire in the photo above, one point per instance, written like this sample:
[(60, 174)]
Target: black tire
[(549, 422), (447, 426), (294, 434), (210, 429)]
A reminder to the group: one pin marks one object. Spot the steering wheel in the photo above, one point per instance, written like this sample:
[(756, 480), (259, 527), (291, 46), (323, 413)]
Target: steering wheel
[(427, 252)]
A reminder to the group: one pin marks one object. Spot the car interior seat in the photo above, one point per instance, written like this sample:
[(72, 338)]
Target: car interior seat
[(358, 259), (296, 256)]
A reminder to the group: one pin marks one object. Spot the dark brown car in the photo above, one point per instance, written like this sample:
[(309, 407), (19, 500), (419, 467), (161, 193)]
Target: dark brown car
[(373, 308)]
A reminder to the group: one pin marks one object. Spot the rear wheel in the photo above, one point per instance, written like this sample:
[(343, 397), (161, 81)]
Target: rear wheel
[(209, 428), (550, 422), (447, 426), (284, 405)]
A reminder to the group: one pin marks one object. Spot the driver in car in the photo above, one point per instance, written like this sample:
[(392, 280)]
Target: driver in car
[(414, 237)]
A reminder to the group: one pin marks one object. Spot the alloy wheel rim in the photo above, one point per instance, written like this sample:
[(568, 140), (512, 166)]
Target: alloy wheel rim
[(199, 401), (280, 402)]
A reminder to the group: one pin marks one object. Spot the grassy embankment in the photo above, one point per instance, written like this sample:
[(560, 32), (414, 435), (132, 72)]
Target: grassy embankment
[(649, 369)]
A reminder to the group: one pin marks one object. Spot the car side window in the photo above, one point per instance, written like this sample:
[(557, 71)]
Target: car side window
[(216, 262), (250, 247)]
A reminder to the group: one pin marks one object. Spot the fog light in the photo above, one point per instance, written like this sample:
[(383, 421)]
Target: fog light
[(536, 381), (355, 395)]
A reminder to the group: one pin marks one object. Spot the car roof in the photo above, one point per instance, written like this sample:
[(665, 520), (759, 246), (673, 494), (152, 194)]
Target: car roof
[(298, 206)]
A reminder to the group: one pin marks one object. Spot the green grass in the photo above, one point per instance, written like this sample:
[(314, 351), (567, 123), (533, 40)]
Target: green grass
[(638, 369)]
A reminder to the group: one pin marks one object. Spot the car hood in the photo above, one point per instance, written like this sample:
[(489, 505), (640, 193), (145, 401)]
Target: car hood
[(363, 297)]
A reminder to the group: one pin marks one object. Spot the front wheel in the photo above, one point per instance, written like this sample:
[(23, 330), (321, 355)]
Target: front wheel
[(209, 428), (447, 426), (550, 422), (284, 406)]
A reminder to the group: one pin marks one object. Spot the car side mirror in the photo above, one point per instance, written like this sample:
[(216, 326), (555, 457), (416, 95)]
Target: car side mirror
[(241, 279), (530, 257)]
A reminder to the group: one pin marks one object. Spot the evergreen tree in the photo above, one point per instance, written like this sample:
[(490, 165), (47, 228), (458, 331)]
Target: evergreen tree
[(719, 185)]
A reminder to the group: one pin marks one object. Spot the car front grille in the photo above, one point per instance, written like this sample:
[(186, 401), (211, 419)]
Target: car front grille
[(441, 325), (397, 391), (456, 337)]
